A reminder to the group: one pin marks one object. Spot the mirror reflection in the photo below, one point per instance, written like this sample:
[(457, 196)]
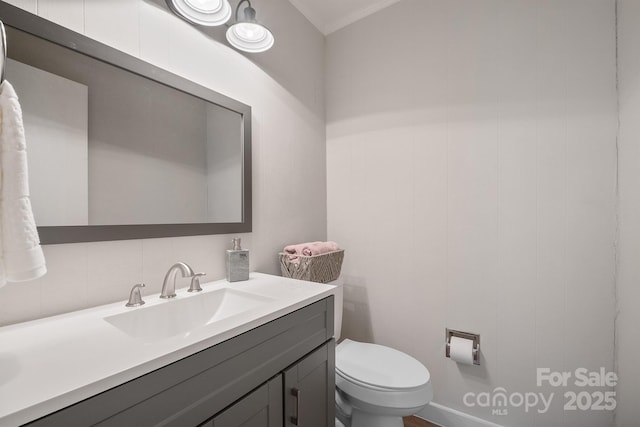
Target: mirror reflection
[(107, 146)]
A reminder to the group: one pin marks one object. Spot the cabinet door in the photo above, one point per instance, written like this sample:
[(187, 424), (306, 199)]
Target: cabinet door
[(309, 389), (260, 408)]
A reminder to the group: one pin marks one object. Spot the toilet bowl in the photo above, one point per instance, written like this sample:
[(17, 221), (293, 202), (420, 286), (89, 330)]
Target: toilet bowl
[(376, 385)]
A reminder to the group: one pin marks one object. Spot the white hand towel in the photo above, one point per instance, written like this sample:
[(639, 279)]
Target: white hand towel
[(21, 256)]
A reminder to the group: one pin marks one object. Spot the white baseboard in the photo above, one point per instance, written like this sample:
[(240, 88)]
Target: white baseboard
[(447, 417)]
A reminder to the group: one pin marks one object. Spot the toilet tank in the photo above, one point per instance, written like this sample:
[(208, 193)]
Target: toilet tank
[(339, 295)]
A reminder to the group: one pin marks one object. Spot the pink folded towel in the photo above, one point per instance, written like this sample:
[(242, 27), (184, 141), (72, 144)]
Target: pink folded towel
[(311, 248)]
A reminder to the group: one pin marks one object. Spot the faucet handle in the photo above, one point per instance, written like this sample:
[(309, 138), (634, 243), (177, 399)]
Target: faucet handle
[(135, 299), (195, 282)]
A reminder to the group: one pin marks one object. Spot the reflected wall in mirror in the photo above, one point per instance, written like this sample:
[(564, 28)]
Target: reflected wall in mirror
[(119, 148)]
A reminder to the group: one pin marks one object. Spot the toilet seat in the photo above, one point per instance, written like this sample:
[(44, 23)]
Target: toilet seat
[(371, 374), (379, 367)]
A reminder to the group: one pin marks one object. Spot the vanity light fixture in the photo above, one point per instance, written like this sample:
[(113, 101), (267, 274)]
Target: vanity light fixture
[(247, 34), (209, 13)]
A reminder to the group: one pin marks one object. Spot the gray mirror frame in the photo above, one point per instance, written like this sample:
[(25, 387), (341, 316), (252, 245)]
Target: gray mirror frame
[(19, 19)]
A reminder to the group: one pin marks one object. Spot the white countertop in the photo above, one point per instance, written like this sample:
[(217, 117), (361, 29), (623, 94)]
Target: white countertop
[(51, 363)]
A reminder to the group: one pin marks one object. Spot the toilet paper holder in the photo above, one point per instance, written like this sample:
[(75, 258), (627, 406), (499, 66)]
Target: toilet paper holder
[(466, 335)]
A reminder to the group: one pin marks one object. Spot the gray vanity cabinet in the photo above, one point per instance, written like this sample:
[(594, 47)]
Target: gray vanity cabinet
[(260, 408), (247, 381), (309, 388), (308, 399)]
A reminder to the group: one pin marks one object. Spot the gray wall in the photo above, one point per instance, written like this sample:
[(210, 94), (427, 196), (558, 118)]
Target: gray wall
[(471, 151), (628, 344), (147, 154), (288, 141), (224, 165), (55, 114)]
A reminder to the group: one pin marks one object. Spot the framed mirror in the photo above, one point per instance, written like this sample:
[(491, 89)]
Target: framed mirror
[(120, 149)]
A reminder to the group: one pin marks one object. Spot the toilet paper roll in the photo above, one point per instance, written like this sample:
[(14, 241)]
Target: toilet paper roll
[(461, 350)]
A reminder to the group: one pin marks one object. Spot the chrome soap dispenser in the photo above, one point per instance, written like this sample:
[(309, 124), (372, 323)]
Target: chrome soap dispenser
[(237, 262)]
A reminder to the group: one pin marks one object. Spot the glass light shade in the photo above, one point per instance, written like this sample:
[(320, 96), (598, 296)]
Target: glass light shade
[(250, 37), (209, 13)]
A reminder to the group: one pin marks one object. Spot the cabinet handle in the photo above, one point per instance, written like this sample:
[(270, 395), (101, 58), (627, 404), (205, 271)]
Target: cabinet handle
[(297, 394)]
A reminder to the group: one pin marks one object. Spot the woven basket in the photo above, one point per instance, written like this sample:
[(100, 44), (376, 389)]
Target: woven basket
[(316, 268)]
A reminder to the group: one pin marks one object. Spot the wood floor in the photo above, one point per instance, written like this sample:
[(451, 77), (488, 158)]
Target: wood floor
[(417, 422)]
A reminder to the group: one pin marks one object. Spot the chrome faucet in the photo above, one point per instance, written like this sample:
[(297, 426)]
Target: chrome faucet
[(169, 284), (195, 282), (135, 299)]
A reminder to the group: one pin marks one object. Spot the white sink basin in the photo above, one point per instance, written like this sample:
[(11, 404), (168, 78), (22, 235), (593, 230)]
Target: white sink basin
[(180, 317), (108, 345)]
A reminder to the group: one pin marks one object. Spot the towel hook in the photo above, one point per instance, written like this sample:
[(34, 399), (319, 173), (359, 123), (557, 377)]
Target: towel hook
[(3, 35)]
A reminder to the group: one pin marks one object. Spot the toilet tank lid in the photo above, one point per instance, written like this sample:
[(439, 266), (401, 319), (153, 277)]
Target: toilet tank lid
[(380, 366)]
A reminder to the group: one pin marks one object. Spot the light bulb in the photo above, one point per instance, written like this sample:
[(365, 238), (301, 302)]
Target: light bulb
[(250, 37), (209, 13)]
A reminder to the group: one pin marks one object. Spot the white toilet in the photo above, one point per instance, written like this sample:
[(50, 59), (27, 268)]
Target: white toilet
[(376, 385)]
